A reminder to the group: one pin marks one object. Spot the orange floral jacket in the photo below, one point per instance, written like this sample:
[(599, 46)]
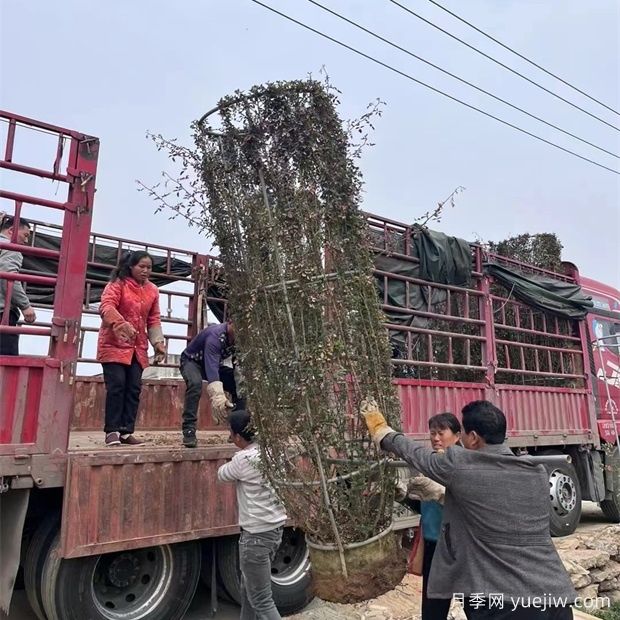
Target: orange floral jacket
[(126, 301)]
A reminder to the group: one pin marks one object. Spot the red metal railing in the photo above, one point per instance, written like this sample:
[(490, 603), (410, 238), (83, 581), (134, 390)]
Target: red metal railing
[(37, 395), (474, 333)]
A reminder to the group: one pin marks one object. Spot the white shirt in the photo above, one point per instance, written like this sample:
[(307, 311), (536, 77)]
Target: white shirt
[(260, 509)]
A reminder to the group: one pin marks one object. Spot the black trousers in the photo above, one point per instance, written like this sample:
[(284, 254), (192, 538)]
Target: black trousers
[(9, 343), (521, 613), (193, 373), (432, 608), (123, 384)]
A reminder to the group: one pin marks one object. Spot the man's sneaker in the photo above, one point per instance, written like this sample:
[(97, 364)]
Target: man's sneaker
[(189, 439), (112, 439), (130, 440)]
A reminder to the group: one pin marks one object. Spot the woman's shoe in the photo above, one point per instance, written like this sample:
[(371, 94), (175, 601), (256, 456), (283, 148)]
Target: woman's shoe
[(130, 440), (113, 439)]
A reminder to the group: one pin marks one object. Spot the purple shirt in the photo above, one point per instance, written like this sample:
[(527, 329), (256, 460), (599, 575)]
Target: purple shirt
[(210, 347)]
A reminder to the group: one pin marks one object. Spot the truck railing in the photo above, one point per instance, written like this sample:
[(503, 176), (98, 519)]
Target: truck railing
[(475, 333), (37, 394)]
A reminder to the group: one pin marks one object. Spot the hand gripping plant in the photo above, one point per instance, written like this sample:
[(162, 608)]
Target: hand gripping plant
[(282, 195)]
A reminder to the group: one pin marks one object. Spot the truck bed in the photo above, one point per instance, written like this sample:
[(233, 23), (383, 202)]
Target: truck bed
[(89, 441)]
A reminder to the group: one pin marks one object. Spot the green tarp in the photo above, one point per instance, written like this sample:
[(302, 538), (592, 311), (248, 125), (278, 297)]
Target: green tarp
[(563, 299)]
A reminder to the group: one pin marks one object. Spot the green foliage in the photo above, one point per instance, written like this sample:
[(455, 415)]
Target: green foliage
[(610, 613), (275, 184), (543, 250)]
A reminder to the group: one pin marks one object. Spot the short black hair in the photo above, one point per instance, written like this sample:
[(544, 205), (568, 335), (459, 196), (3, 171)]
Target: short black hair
[(9, 220), (240, 422), (486, 419), (444, 421)]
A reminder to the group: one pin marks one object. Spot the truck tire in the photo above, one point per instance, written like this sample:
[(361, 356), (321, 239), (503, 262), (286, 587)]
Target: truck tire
[(611, 505), (291, 581), (564, 496), (34, 559), (154, 583)]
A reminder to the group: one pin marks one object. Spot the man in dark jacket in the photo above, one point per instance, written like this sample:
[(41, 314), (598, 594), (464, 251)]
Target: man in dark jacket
[(210, 357), (494, 550)]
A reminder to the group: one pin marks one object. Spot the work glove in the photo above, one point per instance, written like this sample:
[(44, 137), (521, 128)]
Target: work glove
[(377, 426), (156, 338), (219, 402), (124, 331), (426, 489), (160, 352)]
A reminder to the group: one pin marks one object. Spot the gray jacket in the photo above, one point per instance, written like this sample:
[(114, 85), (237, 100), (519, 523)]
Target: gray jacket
[(11, 262), (495, 532)]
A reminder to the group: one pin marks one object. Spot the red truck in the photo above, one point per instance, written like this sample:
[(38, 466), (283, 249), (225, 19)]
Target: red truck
[(100, 533)]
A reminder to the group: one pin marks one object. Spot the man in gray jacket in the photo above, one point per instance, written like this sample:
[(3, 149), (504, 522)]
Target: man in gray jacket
[(11, 262), (494, 551)]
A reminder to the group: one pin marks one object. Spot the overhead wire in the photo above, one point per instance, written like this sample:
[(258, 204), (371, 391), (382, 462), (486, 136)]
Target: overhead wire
[(460, 79), (428, 86), (523, 57), (501, 64)]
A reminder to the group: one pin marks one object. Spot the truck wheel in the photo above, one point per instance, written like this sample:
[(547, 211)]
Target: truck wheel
[(564, 496), (611, 505), (157, 583), (34, 559), (291, 580)]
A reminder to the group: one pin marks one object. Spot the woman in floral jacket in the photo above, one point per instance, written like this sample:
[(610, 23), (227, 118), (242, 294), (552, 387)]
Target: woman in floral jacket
[(130, 319)]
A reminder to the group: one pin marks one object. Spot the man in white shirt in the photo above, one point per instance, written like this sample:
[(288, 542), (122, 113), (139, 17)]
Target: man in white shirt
[(261, 518)]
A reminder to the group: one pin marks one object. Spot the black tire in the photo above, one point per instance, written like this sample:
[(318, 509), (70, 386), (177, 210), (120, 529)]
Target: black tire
[(34, 559), (155, 583), (564, 496), (611, 505), (291, 581)]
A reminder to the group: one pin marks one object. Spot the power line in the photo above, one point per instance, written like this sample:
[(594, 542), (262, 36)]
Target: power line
[(501, 64), (456, 77), (436, 90), (557, 77)]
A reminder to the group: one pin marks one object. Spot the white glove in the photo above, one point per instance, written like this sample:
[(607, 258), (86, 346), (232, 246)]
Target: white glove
[(219, 402), (426, 489)]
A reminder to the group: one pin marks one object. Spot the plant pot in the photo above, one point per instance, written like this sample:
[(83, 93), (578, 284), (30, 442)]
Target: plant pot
[(374, 567)]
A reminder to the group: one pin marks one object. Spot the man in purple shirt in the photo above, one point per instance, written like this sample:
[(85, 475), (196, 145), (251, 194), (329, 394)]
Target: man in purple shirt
[(209, 357)]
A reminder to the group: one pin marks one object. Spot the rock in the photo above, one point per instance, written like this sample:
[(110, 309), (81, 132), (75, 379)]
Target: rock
[(609, 571), (456, 612), (589, 592), (608, 585), (587, 558), (613, 596), (579, 575), (568, 542), (607, 539)]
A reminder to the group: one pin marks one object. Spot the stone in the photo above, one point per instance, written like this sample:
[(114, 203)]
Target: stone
[(589, 592), (607, 539), (608, 585), (609, 571), (568, 542), (613, 596), (578, 575), (587, 558)]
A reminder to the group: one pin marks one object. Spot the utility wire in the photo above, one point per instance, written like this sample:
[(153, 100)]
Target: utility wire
[(507, 47), (436, 90), (501, 64), (456, 77)]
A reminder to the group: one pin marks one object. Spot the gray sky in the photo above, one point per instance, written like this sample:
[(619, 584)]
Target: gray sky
[(115, 69)]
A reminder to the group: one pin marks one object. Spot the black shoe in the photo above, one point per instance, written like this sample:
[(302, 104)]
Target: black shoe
[(189, 439)]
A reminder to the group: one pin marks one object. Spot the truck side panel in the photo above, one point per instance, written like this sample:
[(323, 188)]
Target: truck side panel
[(145, 497)]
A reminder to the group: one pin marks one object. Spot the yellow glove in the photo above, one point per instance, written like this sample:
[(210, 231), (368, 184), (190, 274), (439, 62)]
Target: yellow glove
[(377, 426)]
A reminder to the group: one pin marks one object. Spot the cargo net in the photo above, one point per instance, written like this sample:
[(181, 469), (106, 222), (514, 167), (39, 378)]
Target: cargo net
[(282, 194)]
